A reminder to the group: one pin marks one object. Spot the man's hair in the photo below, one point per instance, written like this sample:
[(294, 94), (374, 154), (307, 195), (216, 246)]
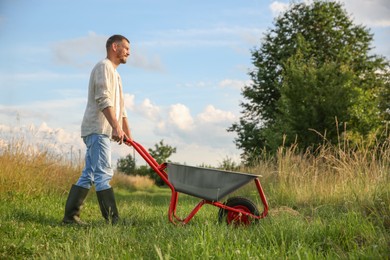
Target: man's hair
[(115, 38)]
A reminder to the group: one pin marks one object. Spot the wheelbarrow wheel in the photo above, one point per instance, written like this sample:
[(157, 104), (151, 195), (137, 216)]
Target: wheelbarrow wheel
[(235, 218)]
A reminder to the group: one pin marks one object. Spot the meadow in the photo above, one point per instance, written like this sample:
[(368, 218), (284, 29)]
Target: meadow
[(331, 205)]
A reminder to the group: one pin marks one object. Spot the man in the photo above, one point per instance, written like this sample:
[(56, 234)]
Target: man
[(105, 117)]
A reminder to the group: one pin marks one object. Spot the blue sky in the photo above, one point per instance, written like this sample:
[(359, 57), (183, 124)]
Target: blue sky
[(189, 61)]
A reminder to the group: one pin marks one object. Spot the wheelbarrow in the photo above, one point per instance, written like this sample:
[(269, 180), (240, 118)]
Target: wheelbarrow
[(209, 185)]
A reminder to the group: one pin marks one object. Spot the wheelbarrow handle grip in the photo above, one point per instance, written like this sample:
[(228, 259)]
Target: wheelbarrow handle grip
[(125, 140)]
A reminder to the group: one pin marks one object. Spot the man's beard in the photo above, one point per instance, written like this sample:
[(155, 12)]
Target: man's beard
[(122, 58)]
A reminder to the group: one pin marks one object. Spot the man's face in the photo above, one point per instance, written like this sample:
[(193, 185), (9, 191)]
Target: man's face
[(122, 51)]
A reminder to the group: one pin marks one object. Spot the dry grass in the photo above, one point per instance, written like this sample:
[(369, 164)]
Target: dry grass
[(34, 173), (333, 204), (332, 174), (31, 172), (357, 179), (134, 182)]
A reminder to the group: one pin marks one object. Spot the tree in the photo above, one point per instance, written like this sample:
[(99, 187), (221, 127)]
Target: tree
[(313, 97), (314, 67), (160, 153), (126, 165)]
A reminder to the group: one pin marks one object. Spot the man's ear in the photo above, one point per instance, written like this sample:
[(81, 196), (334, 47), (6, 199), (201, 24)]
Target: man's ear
[(114, 46)]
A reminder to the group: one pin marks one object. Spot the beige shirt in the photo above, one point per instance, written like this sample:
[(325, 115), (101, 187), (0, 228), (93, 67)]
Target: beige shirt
[(101, 94)]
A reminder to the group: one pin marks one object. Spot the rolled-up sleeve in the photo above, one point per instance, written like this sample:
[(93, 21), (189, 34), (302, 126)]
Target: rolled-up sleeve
[(103, 87)]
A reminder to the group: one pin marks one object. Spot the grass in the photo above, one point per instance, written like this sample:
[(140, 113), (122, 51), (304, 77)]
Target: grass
[(332, 205)]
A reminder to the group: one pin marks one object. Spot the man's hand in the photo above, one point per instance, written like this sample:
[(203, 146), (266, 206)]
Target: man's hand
[(118, 135)]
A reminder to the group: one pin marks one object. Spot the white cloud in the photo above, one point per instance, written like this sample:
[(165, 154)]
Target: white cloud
[(8, 113), (150, 110), (139, 58), (206, 141), (176, 122), (198, 84), (180, 116), (213, 115), (85, 51), (39, 76), (195, 154), (129, 101), (33, 140), (214, 36), (205, 131), (207, 128), (235, 84), (57, 104), (80, 52), (278, 7), (67, 112), (374, 13)]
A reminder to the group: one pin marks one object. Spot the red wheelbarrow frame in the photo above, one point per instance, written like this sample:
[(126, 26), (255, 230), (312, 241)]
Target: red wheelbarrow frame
[(160, 170)]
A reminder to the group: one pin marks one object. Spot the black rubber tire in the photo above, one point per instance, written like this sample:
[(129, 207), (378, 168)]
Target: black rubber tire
[(238, 202)]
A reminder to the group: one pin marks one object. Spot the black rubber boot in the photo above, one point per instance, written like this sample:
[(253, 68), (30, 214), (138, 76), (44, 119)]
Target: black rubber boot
[(107, 205), (73, 205)]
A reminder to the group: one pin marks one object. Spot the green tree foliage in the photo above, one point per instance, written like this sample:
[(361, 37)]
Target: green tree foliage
[(126, 165), (162, 152), (314, 73), (312, 95)]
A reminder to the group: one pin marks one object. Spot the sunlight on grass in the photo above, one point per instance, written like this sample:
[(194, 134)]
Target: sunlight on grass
[(137, 182), (334, 203)]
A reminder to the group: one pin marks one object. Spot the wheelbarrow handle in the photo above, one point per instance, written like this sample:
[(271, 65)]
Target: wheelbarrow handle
[(142, 151), (145, 154), (133, 143), (158, 168), (127, 140)]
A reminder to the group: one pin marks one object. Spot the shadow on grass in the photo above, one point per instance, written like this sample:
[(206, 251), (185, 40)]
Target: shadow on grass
[(156, 209), (161, 197), (25, 216)]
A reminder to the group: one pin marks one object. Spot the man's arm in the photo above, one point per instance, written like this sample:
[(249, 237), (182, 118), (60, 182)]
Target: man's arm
[(117, 133), (126, 128)]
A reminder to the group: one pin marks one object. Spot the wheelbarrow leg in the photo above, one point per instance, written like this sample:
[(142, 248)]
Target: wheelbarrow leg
[(172, 207), (174, 210), (263, 198), (194, 211), (173, 218)]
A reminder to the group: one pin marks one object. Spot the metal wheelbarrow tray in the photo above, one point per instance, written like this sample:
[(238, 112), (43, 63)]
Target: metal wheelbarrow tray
[(210, 186)]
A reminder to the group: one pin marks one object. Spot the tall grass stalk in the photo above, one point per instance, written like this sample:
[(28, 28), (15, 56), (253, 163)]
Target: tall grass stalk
[(26, 170), (331, 175)]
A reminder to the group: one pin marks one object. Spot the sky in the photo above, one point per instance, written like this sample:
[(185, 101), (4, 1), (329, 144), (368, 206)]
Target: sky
[(182, 83)]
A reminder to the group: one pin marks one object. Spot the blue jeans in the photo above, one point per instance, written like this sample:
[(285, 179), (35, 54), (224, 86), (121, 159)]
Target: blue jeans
[(97, 170)]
